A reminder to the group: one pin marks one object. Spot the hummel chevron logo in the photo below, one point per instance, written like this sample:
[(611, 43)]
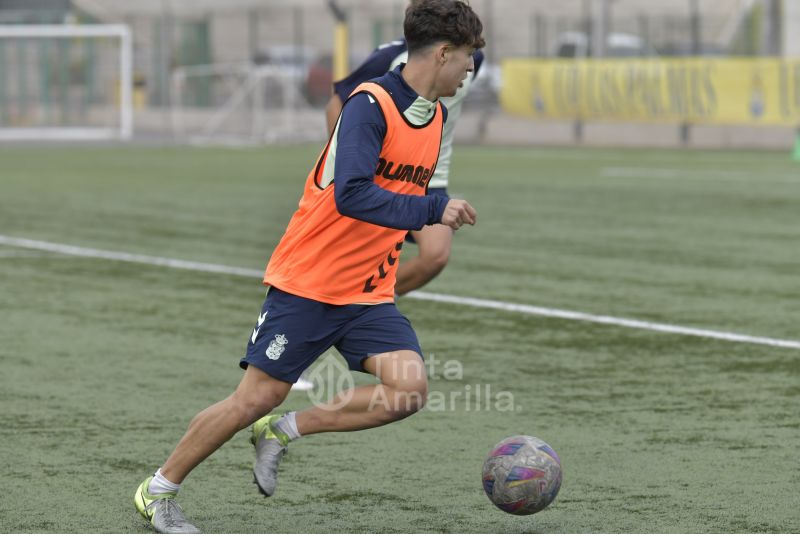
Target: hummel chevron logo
[(369, 287), (261, 319)]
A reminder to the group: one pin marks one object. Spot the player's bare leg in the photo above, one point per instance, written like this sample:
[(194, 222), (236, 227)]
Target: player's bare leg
[(434, 244), (402, 392), (256, 396)]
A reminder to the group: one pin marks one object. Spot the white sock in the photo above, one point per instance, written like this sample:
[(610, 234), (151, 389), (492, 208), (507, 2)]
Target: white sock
[(160, 485), (288, 425)]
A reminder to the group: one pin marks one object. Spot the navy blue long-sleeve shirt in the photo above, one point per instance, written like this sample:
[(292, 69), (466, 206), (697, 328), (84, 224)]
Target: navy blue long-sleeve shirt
[(359, 138)]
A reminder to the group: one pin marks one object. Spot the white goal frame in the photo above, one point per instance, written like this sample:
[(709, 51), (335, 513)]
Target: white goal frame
[(246, 82), (124, 130)]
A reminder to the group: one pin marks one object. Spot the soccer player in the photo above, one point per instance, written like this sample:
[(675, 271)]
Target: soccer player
[(331, 278), (434, 241)]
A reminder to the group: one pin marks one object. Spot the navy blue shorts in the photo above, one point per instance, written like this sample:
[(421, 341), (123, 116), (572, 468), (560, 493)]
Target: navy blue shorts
[(293, 331), (439, 191)]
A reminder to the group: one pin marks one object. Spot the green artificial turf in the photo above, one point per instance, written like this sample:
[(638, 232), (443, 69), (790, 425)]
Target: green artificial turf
[(103, 363)]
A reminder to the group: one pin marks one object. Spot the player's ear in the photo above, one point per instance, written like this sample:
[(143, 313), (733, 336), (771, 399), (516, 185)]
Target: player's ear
[(441, 53)]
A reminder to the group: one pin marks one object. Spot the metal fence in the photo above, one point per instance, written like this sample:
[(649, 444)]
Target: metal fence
[(298, 37)]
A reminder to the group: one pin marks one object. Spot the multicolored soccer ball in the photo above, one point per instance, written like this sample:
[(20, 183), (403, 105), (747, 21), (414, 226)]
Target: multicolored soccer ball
[(522, 475)]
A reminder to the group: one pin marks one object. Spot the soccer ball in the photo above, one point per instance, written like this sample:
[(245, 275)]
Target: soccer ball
[(522, 475)]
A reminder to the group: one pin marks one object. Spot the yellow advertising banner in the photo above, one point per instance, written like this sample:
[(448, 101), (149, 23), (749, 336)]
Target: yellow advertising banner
[(692, 90)]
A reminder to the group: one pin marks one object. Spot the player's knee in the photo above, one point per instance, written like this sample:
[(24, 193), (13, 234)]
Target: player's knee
[(408, 399), (252, 406), (415, 399)]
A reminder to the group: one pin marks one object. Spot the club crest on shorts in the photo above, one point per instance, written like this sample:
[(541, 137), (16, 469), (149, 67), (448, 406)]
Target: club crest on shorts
[(277, 346)]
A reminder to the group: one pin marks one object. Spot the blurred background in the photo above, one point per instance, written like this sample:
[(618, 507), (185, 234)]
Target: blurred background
[(698, 73)]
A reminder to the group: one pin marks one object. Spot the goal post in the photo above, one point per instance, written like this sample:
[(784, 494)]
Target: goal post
[(242, 104), (66, 82)]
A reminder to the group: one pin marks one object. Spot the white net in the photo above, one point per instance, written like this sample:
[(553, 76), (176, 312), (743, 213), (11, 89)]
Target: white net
[(65, 82), (242, 104)]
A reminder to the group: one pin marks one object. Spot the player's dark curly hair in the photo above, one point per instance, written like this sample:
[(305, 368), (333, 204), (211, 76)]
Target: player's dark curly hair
[(432, 21)]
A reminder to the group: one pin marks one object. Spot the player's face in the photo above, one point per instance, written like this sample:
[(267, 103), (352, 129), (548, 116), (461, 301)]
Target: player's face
[(457, 65)]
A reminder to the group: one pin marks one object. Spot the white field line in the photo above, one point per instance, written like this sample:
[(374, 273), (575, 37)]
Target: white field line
[(127, 257), (698, 175), (418, 295), (665, 156)]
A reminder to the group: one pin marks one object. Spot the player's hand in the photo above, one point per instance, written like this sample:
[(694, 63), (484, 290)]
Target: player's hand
[(457, 213)]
